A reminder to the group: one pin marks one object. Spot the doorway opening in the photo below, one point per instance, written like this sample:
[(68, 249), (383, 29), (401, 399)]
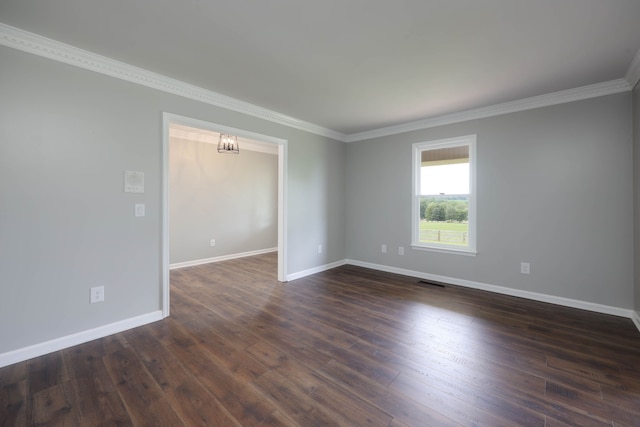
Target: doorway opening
[(270, 143)]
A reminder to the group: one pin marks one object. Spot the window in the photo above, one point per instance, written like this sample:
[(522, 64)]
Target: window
[(444, 196)]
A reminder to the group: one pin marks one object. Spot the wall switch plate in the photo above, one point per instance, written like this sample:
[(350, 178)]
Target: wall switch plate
[(97, 294), (525, 268), (319, 249), (139, 209), (212, 242), (383, 249), (400, 250)]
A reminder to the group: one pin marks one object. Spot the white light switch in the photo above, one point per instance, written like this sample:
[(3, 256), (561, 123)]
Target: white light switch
[(140, 209)]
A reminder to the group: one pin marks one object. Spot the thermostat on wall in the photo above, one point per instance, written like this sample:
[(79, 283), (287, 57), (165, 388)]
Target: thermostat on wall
[(133, 182)]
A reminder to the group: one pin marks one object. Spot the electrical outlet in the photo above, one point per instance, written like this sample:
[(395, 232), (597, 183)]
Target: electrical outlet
[(212, 242), (525, 268), (97, 294), (383, 249), (400, 250)]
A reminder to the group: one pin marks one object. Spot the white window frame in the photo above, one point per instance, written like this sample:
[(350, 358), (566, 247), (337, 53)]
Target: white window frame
[(469, 140)]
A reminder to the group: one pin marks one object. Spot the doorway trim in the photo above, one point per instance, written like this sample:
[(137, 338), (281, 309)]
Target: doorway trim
[(167, 120)]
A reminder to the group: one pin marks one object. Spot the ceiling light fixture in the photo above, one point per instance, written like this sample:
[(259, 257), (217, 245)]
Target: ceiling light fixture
[(228, 144)]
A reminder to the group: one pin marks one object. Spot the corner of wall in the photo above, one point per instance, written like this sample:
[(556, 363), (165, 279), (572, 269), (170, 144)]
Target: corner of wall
[(636, 319), (635, 99)]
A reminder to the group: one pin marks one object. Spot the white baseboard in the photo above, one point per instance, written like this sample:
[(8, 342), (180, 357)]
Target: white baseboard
[(315, 270), (36, 350), (46, 347), (567, 302), (220, 258), (636, 319)]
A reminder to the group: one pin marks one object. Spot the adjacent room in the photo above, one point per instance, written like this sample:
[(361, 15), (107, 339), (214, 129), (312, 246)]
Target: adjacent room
[(416, 213), (232, 199)]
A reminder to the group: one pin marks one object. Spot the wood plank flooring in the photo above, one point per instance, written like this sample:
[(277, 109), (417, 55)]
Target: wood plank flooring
[(347, 347)]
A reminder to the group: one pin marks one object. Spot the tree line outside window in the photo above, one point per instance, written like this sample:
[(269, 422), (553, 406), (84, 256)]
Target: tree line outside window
[(437, 209)]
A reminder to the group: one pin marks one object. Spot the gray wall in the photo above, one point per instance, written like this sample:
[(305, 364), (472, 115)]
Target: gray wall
[(554, 189), (66, 137), (636, 189), (227, 197)]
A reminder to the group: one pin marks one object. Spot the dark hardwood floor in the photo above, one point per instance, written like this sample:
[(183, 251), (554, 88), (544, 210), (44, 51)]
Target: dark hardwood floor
[(347, 347)]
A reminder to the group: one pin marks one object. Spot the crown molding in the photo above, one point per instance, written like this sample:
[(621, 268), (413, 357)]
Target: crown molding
[(35, 44), (633, 73), (561, 97)]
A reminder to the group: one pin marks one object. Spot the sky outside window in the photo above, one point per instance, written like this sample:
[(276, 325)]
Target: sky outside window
[(447, 179)]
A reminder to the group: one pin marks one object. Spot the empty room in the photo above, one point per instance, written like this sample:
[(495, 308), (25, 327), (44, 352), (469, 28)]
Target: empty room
[(362, 213)]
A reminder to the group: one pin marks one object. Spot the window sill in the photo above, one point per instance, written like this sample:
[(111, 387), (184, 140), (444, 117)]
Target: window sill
[(465, 252)]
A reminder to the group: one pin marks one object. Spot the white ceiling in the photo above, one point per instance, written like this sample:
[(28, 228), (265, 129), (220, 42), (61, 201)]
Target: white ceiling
[(354, 65)]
